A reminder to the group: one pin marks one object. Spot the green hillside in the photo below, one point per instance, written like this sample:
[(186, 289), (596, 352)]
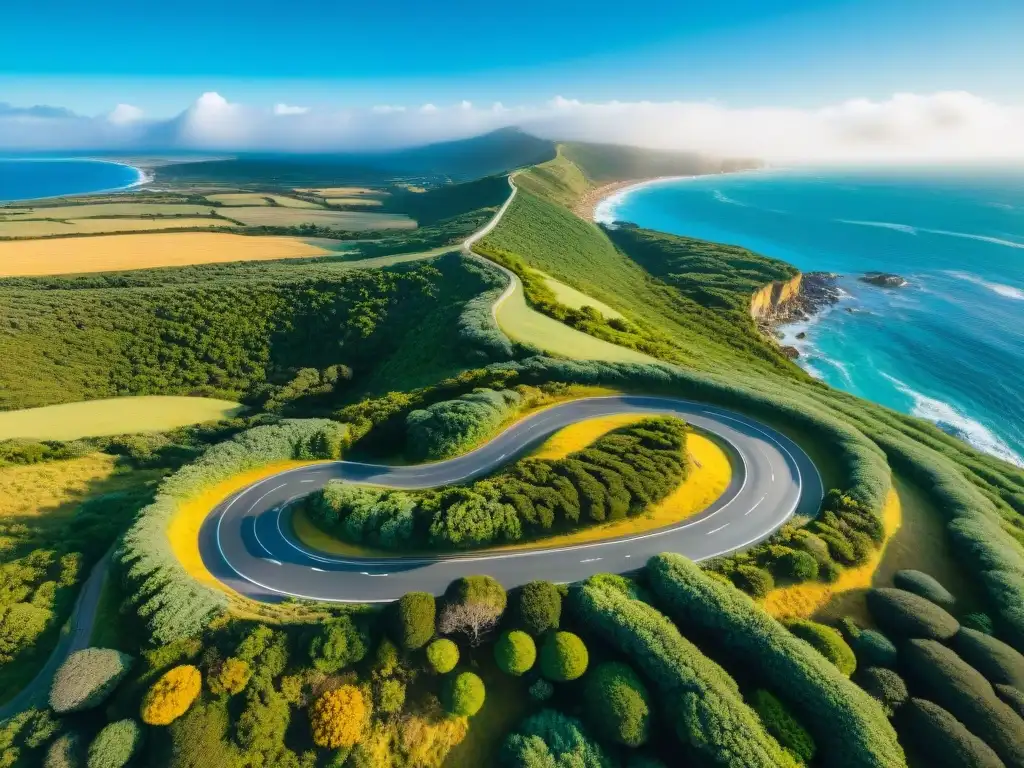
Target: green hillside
[(603, 163)]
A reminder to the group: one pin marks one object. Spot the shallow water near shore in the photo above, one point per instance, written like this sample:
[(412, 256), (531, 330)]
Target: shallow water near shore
[(32, 179), (949, 347)]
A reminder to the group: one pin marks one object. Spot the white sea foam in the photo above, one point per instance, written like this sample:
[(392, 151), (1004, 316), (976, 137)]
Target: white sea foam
[(723, 198), (1006, 291), (969, 236), (969, 430), (882, 224), (605, 212)]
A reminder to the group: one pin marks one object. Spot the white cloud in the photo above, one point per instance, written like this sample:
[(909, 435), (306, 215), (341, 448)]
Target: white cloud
[(285, 109), (124, 113), (954, 126)]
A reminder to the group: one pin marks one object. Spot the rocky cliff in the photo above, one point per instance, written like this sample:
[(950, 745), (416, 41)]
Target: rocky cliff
[(769, 302)]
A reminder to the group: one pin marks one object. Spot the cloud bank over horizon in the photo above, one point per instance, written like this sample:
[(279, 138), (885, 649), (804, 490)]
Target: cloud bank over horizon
[(952, 126)]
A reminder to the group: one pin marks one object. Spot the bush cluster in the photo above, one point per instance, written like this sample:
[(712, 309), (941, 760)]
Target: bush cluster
[(617, 704), (702, 701), (941, 739), (443, 655), (115, 745), (537, 607), (923, 585), (953, 684), (336, 644), (87, 678), (337, 717), (885, 685), (620, 475), (997, 661), (848, 725), (871, 647), (464, 694), (551, 738), (472, 607), (413, 618), (515, 652), (171, 696), (826, 641), (902, 614), (450, 427)]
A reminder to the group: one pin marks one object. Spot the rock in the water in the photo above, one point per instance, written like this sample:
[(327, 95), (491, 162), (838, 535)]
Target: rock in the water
[(801, 335), (791, 352), (883, 279)]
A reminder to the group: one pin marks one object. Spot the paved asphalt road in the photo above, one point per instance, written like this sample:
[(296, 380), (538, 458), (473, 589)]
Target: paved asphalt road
[(247, 542)]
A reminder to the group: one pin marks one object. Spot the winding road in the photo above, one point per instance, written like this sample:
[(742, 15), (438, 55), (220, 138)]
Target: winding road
[(246, 542)]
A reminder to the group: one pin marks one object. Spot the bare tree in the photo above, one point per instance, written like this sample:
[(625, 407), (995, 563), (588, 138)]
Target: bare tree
[(475, 620)]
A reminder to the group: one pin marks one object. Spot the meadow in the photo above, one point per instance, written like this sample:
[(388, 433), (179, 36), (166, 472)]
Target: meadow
[(115, 416), (274, 216), (87, 210), (259, 198), (56, 229), (103, 253)]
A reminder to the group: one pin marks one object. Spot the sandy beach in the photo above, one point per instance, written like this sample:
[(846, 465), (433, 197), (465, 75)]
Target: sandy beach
[(587, 205)]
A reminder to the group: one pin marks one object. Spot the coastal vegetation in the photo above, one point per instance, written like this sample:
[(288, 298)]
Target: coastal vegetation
[(676, 663)]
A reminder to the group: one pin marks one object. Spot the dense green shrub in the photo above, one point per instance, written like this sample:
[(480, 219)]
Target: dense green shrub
[(66, 751), (871, 647), (563, 657), (537, 607), (443, 655), (541, 690), (115, 745), (389, 696), (617, 704), (701, 701), (826, 641), (413, 617), (452, 426), (781, 724), (923, 585), (849, 726), (796, 566), (941, 739), (336, 644), (978, 621), (993, 658), (1014, 697), (953, 684), (464, 694), (756, 582), (901, 614), (885, 685), (550, 738), (86, 678), (515, 652), (174, 604)]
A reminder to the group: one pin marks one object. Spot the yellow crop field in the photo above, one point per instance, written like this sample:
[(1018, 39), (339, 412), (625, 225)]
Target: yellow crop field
[(114, 416), (258, 198), (570, 297), (97, 210), (354, 201), (105, 226), (271, 216), (108, 253), (578, 436)]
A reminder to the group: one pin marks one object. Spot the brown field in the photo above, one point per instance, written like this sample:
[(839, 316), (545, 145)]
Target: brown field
[(292, 217), (258, 198), (104, 226), (354, 201), (108, 253), (93, 210)]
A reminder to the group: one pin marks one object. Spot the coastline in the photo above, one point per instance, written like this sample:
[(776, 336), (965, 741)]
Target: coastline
[(589, 206), (143, 177)]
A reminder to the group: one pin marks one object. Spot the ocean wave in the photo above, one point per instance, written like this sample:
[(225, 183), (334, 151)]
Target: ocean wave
[(952, 421), (906, 228), (1006, 291), (969, 236), (723, 198)]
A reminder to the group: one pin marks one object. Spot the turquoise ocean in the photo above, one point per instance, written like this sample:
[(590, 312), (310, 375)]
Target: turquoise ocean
[(949, 347), (29, 179)]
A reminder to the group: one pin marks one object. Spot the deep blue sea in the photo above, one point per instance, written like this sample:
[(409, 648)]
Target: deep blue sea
[(28, 179), (950, 346)]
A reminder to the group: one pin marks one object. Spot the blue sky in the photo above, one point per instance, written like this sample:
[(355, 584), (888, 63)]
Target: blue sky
[(160, 56)]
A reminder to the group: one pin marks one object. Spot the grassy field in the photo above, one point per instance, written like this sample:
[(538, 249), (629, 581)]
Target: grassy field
[(270, 216), (340, 191), (106, 226), (258, 198), (123, 252), (569, 296), (115, 416), (526, 325)]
